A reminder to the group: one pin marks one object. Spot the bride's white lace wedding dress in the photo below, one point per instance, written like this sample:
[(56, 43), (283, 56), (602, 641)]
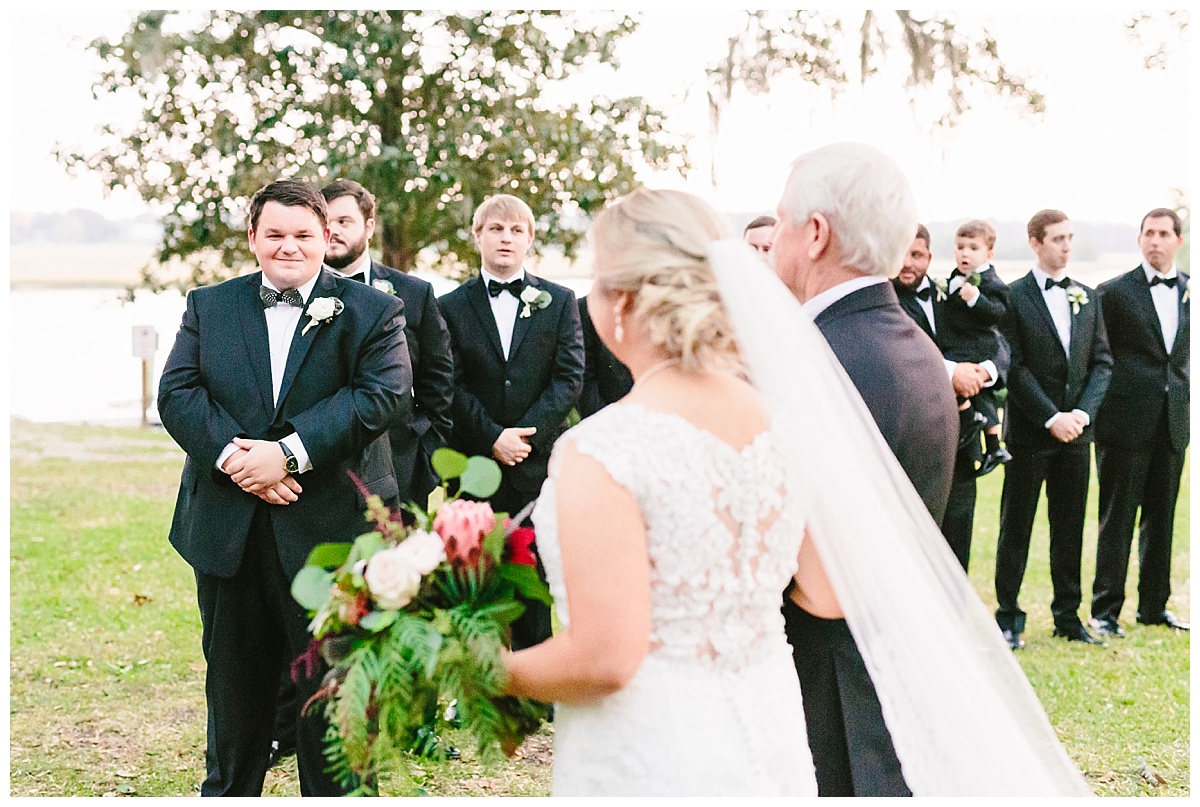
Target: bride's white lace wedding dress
[(715, 707)]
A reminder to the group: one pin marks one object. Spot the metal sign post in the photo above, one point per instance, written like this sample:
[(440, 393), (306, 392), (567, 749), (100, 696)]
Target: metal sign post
[(145, 343)]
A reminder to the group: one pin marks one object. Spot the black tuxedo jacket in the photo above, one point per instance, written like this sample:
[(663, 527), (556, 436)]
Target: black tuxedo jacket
[(344, 381), (1146, 375), (912, 306), (537, 386), (1043, 379), (605, 378), (428, 429), (902, 378), (972, 333)]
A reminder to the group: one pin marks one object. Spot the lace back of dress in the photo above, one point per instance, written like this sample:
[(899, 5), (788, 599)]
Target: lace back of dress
[(721, 536)]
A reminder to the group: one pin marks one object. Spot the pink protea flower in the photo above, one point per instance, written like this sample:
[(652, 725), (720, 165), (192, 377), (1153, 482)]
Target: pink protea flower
[(462, 525)]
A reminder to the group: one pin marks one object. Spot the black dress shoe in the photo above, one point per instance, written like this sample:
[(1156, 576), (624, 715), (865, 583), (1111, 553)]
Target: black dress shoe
[(993, 460), (1014, 640), (1078, 634), (1165, 618), (1108, 627)]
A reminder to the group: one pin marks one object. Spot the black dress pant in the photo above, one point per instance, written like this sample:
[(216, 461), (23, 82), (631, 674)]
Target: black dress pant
[(252, 631), (851, 746), (534, 626), (1065, 469), (958, 524), (1145, 478)]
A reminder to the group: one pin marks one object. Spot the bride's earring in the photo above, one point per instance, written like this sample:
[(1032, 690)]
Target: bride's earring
[(619, 328)]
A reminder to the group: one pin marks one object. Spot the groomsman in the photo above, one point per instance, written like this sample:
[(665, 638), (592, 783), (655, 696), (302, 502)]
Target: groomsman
[(420, 429), (1142, 428), (605, 378), (1060, 371), (427, 428), (280, 383), (902, 379), (760, 234), (518, 367), (925, 303)]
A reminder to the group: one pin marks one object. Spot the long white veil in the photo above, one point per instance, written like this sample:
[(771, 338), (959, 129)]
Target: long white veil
[(963, 717)]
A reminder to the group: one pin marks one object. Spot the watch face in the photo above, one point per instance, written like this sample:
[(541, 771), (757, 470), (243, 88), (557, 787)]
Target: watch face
[(291, 465)]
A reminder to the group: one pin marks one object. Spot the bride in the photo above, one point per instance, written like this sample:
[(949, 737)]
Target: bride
[(672, 521)]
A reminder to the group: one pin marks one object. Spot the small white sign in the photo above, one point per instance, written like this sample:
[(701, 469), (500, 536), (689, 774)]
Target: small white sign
[(145, 341)]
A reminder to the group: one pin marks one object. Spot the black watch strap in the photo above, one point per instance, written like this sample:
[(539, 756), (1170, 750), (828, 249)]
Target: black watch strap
[(290, 463)]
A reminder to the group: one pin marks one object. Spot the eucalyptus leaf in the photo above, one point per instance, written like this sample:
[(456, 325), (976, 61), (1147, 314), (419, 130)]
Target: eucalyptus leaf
[(311, 587), (329, 556), (377, 620), (481, 479), (448, 463), (367, 545)]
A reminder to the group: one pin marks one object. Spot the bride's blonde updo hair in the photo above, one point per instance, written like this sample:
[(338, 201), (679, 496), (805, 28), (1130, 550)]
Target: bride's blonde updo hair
[(654, 244)]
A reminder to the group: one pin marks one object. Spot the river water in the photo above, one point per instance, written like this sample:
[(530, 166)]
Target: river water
[(71, 350)]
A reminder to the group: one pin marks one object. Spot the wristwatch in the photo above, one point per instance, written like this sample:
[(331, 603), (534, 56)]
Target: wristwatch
[(290, 463)]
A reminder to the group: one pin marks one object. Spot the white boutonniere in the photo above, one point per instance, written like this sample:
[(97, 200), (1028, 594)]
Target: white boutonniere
[(940, 291), (323, 309), (1078, 298), (384, 286), (1187, 293), (533, 297)]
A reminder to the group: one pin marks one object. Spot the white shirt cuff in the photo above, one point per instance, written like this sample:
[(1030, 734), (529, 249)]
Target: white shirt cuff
[(1087, 419), (1053, 418), (972, 302), (294, 442), (950, 365), (224, 455), (993, 374)]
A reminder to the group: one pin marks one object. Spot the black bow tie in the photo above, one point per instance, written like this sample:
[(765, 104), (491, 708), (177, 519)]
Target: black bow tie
[(361, 277), (1063, 284), (924, 293), (513, 287), (1169, 282), (270, 297)]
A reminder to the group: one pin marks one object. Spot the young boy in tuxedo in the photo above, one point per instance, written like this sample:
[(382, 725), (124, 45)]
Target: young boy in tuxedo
[(976, 303)]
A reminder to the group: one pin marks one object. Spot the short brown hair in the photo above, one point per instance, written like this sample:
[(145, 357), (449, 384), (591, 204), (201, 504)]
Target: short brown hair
[(1163, 212), (923, 234), (348, 187), (290, 193), (978, 228), (761, 221), (1041, 220)]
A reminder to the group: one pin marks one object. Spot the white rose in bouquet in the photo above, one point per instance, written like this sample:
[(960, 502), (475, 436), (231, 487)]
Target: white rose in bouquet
[(425, 551), (392, 577)]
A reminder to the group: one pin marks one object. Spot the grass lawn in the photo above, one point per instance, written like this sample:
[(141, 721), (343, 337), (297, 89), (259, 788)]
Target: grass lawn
[(107, 677)]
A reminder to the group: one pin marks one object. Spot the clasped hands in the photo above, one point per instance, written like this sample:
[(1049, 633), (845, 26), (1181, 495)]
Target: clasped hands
[(257, 467), (512, 446), (1067, 426)]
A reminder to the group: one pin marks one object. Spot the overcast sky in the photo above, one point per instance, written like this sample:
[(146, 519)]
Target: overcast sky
[(1114, 141)]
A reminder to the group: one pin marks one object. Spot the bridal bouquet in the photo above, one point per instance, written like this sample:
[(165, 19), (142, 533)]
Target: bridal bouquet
[(410, 615)]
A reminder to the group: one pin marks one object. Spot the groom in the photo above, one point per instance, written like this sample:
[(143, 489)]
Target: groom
[(846, 219), (280, 384)]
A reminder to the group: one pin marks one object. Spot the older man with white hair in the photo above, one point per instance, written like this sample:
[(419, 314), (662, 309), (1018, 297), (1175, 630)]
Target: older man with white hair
[(846, 219)]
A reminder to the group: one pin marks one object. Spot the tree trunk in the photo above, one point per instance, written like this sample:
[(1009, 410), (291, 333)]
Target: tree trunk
[(398, 251)]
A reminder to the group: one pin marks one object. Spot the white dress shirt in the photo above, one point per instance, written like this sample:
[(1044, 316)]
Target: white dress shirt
[(282, 320), (1059, 305), (504, 307), (1166, 303), (1060, 312), (830, 296), (363, 264)]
